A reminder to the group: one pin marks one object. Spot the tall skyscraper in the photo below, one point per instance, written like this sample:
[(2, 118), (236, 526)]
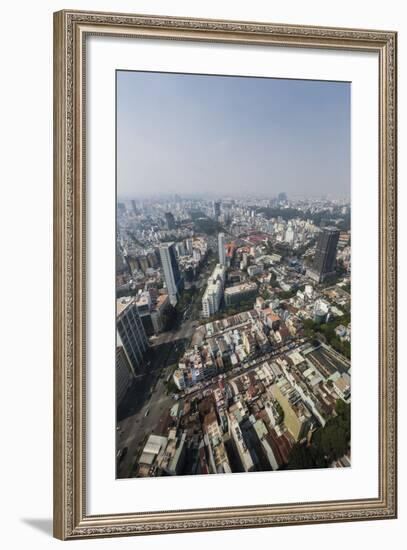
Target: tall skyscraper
[(289, 234), (130, 330), (216, 209), (134, 206), (169, 218), (325, 255), (172, 274), (221, 247)]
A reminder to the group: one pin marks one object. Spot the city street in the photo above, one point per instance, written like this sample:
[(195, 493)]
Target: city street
[(184, 331), (146, 405), (134, 428)]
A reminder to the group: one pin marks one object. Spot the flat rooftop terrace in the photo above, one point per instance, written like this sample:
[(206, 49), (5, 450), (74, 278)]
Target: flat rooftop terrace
[(328, 361)]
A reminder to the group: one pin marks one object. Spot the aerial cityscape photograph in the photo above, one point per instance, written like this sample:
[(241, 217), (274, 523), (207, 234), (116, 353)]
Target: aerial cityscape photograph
[(233, 274)]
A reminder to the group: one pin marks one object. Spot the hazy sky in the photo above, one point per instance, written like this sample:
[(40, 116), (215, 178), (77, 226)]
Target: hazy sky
[(214, 134)]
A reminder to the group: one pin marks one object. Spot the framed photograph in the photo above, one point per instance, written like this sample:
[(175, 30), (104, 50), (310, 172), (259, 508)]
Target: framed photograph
[(225, 274)]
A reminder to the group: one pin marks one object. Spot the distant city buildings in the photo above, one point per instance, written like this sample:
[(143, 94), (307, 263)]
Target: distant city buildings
[(131, 332), (134, 206), (325, 255), (172, 274)]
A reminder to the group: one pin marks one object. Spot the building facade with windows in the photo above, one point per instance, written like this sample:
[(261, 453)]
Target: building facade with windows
[(235, 294), (131, 333), (214, 291), (124, 373), (324, 262), (221, 247), (172, 275)]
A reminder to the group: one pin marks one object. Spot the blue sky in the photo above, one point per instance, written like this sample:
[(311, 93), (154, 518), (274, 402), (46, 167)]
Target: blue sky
[(231, 135)]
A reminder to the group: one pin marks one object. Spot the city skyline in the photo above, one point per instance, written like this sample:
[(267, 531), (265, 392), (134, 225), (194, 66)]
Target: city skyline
[(233, 275), (233, 336), (262, 136), (228, 196)]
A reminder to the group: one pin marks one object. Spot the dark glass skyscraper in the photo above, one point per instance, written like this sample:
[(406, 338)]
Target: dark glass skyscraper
[(216, 209), (134, 206), (169, 218), (325, 254)]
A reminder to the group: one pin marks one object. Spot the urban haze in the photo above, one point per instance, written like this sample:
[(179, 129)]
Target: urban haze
[(228, 135)]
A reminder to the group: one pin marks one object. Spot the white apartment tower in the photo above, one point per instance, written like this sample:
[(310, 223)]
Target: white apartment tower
[(221, 246), (290, 234), (214, 291)]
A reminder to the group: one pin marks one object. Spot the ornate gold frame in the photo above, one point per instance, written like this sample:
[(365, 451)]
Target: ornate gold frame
[(70, 31)]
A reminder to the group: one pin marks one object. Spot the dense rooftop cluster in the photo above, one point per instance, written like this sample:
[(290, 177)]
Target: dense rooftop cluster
[(252, 300)]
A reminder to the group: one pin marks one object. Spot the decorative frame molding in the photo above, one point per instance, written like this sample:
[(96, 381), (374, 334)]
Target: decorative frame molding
[(70, 31)]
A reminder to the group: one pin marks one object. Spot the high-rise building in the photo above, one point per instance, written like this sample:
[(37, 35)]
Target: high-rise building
[(134, 206), (282, 197), (131, 332), (169, 218), (172, 276), (121, 208), (144, 307), (216, 209), (289, 234), (214, 291), (325, 255), (221, 247), (124, 373)]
